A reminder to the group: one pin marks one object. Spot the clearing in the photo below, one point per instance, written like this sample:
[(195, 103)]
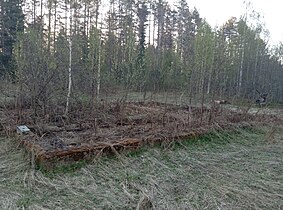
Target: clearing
[(199, 158), (216, 171)]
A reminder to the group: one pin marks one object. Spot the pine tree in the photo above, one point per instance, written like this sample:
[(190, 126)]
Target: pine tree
[(142, 14)]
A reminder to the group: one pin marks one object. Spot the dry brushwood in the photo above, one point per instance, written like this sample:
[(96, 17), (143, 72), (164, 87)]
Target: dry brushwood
[(145, 203), (118, 127)]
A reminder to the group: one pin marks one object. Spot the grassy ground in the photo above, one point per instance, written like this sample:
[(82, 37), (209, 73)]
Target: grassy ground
[(219, 171)]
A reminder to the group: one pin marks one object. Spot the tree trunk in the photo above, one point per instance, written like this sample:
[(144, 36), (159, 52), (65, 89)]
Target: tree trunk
[(55, 24), (241, 69), (70, 66), (98, 70)]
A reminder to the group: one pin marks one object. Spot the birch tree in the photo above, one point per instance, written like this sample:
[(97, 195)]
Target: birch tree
[(70, 62)]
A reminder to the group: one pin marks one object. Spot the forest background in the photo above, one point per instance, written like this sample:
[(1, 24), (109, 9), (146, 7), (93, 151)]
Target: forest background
[(69, 50)]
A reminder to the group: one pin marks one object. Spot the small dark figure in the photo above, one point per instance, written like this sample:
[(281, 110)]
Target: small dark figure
[(262, 99)]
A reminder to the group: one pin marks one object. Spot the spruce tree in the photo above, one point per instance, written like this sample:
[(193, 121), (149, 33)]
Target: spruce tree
[(11, 23)]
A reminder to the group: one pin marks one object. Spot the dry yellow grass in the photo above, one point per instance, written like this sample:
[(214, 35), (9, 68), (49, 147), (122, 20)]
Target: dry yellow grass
[(219, 171)]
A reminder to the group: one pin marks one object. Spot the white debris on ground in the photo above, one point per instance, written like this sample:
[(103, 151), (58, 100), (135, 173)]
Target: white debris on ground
[(22, 129)]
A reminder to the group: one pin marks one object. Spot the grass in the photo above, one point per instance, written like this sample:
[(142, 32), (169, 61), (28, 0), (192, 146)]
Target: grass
[(243, 170)]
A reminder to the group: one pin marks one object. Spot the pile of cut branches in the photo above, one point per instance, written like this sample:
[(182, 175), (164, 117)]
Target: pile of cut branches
[(114, 127)]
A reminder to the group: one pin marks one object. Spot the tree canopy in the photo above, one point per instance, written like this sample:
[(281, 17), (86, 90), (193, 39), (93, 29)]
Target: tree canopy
[(136, 46)]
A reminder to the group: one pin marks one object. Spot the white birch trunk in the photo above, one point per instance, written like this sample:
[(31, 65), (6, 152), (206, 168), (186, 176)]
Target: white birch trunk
[(98, 70), (241, 68), (70, 66)]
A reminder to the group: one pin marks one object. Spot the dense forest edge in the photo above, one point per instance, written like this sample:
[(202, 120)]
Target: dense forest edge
[(57, 52)]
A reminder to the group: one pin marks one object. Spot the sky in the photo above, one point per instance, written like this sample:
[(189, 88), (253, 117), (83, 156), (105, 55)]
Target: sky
[(216, 12)]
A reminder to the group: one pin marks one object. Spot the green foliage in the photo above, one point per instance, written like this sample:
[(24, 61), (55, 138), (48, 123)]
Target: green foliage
[(140, 46), (11, 24), (36, 69)]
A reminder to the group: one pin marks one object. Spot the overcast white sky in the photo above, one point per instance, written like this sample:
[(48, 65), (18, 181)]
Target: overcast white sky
[(216, 12)]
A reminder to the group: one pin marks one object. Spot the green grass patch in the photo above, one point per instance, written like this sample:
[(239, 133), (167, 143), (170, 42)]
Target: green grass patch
[(64, 168)]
